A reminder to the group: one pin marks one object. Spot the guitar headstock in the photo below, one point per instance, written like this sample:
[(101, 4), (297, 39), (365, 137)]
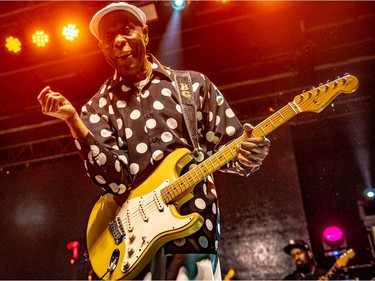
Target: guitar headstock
[(345, 257), (318, 98)]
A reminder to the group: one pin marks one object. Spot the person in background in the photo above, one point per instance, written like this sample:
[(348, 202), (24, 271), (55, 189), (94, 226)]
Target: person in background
[(136, 120), (302, 257)]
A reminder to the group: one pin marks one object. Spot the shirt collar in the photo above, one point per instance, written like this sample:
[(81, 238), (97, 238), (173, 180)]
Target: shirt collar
[(157, 68)]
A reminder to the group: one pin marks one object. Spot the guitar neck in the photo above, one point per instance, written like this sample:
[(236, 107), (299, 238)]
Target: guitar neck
[(340, 262), (226, 154), (332, 271)]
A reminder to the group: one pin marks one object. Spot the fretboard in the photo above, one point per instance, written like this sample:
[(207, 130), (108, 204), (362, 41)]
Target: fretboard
[(226, 154)]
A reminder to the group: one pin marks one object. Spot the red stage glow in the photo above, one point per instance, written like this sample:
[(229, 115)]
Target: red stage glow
[(74, 245)]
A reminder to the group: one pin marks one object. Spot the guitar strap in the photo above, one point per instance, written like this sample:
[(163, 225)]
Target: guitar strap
[(188, 106), (211, 234)]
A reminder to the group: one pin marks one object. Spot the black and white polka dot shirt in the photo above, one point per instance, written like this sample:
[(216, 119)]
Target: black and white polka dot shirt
[(132, 128)]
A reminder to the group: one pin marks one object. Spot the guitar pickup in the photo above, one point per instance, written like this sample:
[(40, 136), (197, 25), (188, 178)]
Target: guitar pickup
[(142, 212), (117, 230), (158, 202)]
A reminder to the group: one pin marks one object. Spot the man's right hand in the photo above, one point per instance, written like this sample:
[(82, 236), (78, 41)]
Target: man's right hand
[(55, 105)]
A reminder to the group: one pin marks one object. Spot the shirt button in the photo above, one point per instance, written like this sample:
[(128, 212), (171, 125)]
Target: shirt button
[(149, 115), (154, 140)]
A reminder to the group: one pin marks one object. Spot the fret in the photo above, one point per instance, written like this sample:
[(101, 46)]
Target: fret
[(260, 126), (221, 151), (290, 105), (297, 106), (282, 117), (172, 188), (212, 164), (230, 150), (167, 196), (195, 171), (217, 158), (189, 178), (269, 119), (199, 168), (207, 169)]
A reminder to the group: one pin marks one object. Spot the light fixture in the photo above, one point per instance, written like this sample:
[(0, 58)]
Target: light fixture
[(70, 32), (40, 38), (333, 240), (178, 5), (369, 193), (333, 234), (13, 44)]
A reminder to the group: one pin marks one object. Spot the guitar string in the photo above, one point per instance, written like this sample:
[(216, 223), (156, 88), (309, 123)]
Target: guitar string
[(280, 116), (136, 213), (151, 201)]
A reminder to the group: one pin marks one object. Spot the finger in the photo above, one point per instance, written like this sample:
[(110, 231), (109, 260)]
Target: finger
[(43, 93), (252, 153), (259, 141), (47, 103), (266, 142), (53, 105), (244, 152), (244, 161), (251, 163), (249, 145), (42, 98), (256, 154), (247, 127), (53, 100)]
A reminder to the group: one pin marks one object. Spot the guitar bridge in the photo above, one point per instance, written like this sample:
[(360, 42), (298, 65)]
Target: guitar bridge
[(117, 230)]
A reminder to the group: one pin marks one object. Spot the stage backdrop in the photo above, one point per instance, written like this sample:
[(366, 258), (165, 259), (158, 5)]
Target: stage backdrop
[(47, 205)]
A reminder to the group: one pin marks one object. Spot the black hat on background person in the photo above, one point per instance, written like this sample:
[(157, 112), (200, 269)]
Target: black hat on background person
[(300, 244), (303, 258)]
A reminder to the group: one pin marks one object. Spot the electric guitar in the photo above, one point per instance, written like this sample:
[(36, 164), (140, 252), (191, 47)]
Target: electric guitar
[(339, 263), (121, 240)]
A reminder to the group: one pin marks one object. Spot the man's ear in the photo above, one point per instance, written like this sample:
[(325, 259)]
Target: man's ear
[(311, 255)]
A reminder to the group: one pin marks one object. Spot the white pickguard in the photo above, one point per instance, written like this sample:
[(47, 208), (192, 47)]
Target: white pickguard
[(144, 218)]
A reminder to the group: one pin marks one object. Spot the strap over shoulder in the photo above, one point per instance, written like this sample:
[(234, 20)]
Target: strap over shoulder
[(188, 105)]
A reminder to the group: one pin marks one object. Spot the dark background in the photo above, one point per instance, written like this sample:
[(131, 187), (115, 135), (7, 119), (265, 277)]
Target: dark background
[(261, 55)]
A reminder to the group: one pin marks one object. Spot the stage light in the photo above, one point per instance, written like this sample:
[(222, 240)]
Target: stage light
[(70, 32), (40, 38), (332, 234), (13, 44), (370, 193), (333, 239), (74, 246), (179, 4)]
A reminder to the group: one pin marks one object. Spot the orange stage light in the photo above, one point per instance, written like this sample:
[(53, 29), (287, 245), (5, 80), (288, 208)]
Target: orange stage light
[(70, 32), (40, 38), (13, 44)]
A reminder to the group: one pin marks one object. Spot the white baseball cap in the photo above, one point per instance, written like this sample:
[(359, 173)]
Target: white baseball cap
[(137, 12)]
